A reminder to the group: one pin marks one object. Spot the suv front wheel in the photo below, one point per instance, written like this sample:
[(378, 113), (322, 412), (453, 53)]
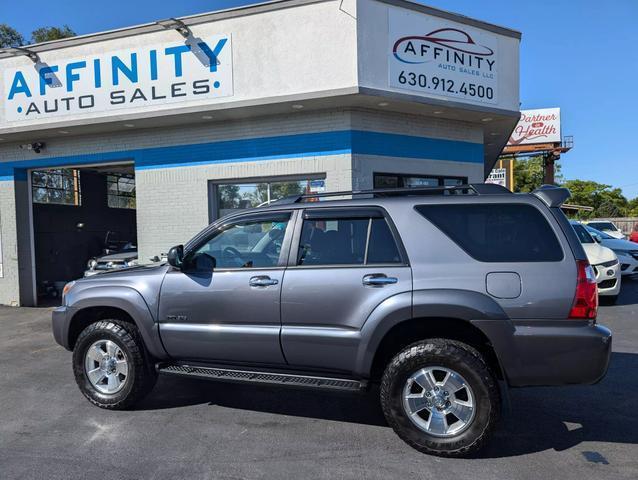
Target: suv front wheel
[(440, 397), (110, 366)]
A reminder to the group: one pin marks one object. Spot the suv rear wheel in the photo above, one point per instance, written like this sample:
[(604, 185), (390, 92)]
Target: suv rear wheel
[(110, 366), (440, 397)]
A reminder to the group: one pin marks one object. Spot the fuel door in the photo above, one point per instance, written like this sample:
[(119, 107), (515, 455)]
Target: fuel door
[(503, 284)]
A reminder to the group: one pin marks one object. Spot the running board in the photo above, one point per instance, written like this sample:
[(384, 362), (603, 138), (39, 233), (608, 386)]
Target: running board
[(271, 378)]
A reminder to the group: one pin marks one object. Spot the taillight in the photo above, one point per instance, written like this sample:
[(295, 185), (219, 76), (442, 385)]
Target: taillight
[(586, 299)]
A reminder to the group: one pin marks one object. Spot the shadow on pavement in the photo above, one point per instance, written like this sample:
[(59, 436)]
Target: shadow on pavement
[(628, 291), (541, 418), (561, 418)]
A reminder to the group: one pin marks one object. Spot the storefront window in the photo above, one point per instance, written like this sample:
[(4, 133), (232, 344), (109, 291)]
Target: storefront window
[(241, 196), (397, 180), (120, 190), (59, 186)]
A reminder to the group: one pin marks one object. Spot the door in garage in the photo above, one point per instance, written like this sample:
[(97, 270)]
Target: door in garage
[(79, 214)]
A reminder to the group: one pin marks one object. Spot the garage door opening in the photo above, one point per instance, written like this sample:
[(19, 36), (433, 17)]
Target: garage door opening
[(83, 220)]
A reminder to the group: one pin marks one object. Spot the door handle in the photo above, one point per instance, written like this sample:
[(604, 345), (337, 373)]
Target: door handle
[(379, 280), (262, 281)]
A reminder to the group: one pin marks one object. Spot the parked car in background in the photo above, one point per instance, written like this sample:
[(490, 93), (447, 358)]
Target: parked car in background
[(605, 264), (127, 257), (608, 227), (626, 251)]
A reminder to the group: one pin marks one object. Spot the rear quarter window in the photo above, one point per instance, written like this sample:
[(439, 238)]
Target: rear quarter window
[(497, 232)]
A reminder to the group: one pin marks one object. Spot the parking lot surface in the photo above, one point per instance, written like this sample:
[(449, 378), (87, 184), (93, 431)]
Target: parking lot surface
[(195, 429)]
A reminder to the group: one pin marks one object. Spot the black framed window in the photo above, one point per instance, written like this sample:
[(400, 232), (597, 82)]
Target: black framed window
[(120, 188), (344, 240), (59, 186), (403, 180), (497, 232), (246, 243), (237, 196)]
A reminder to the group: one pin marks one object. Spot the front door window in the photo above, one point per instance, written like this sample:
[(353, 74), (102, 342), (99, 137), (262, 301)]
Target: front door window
[(247, 244)]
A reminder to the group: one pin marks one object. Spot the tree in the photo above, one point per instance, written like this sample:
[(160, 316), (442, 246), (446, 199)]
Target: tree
[(530, 173), (606, 201), (10, 37), (632, 208), (47, 34)]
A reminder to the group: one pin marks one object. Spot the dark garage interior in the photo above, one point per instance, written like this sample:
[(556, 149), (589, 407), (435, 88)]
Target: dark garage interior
[(79, 214)]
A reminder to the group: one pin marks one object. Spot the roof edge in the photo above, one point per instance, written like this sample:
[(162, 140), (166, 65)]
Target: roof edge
[(457, 17), (251, 9)]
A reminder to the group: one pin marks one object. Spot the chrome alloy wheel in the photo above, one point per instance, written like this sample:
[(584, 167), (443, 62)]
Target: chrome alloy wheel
[(439, 401), (106, 366)]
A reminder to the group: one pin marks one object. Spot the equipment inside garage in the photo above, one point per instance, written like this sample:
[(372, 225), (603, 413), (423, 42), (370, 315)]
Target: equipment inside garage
[(79, 214)]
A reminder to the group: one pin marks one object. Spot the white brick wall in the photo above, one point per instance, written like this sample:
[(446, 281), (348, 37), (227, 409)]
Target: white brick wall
[(206, 131), (173, 203), (9, 286)]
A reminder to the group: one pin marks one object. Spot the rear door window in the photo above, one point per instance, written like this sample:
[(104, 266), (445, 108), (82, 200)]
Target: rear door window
[(345, 240), (497, 232)]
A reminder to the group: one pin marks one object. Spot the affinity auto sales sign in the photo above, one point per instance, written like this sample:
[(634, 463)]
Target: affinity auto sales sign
[(438, 57), (149, 76)]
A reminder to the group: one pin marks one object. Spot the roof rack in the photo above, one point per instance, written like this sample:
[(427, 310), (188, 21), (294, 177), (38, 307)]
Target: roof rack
[(472, 189)]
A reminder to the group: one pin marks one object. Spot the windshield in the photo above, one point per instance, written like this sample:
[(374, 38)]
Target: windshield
[(603, 226), (603, 235), (582, 234)]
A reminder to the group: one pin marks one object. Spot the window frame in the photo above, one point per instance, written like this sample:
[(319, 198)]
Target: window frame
[(401, 177), (74, 175), (328, 212), (216, 228), (120, 194), (213, 188)]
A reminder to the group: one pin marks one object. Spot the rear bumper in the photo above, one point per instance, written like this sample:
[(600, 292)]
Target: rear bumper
[(60, 319), (535, 353)]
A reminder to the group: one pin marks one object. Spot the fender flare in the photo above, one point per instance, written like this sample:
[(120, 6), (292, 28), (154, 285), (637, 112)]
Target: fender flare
[(464, 305), (123, 298)]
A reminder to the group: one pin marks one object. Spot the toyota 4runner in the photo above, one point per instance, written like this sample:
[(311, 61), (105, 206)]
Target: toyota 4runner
[(443, 296)]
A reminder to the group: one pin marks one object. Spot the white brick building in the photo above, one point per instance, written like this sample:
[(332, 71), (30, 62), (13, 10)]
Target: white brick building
[(321, 94)]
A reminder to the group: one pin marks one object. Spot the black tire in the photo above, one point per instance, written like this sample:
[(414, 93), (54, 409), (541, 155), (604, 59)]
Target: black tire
[(141, 375), (455, 356)]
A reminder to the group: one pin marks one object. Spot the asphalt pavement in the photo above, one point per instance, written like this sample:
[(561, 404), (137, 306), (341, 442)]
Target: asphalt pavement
[(192, 429)]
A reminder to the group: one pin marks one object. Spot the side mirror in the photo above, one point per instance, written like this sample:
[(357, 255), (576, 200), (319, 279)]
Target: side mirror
[(597, 237), (205, 262), (175, 256)]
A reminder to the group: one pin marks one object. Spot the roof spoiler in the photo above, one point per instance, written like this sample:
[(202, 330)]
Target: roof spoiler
[(552, 195)]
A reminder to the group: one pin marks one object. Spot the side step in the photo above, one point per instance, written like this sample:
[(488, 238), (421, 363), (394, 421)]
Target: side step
[(273, 378)]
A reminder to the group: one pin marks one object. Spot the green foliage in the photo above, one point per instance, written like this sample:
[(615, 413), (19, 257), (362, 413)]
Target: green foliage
[(47, 34), (606, 201), (529, 174), (10, 37), (632, 208)]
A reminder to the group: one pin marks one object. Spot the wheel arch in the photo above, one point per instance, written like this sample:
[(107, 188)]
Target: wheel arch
[(438, 313), (121, 303), (410, 331)]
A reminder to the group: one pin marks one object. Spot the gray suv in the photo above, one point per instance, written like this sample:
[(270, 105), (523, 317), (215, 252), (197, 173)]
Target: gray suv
[(442, 296)]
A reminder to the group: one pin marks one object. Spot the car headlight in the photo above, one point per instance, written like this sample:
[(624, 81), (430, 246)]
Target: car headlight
[(131, 263), (92, 264)]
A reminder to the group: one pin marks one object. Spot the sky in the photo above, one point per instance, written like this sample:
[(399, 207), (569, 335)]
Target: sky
[(579, 55)]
